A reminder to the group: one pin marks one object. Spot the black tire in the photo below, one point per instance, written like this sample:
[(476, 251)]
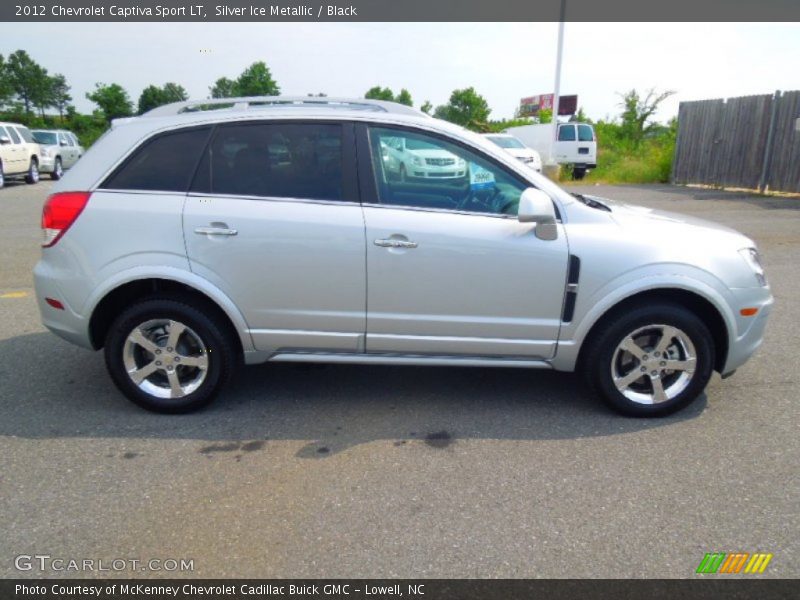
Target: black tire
[(58, 170), (213, 335), (578, 173), (600, 357), (2, 177), (32, 175)]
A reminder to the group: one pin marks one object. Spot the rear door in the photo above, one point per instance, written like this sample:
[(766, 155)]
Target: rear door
[(273, 220)]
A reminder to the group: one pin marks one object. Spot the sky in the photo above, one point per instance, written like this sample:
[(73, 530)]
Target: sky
[(502, 61)]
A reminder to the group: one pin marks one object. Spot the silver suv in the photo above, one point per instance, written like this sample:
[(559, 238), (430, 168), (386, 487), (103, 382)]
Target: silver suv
[(201, 235)]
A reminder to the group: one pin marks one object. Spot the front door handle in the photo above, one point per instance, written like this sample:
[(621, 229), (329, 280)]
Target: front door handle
[(215, 231), (392, 243)]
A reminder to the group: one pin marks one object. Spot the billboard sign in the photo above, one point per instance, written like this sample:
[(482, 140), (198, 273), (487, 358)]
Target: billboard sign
[(530, 106)]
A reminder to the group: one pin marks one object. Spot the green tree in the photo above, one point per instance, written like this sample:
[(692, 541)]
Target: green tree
[(26, 78), (59, 93), (379, 93), (466, 108), (112, 99), (223, 88), (404, 97), (6, 88), (637, 113), (426, 107), (153, 96), (256, 80), (545, 115)]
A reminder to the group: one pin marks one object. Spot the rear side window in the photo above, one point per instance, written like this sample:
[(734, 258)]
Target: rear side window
[(14, 135), (164, 163), (566, 133), (585, 133), (278, 160)]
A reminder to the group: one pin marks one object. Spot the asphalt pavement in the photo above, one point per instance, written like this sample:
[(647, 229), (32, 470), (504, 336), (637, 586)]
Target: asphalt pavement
[(354, 471)]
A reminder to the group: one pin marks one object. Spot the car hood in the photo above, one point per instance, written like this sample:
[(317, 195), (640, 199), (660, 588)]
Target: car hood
[(662, 223)]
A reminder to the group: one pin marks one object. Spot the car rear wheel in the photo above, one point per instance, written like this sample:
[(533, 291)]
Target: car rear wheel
[(2, 177), (58, 170), (169, 357), (33, 172), (651, 361)]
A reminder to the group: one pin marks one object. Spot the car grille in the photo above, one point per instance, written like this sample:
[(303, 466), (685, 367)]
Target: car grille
[(440, 162)]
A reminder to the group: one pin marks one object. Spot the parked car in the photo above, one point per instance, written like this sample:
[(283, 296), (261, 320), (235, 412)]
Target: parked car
[(575, 144), (517, 149), (418, 159), (19, 153), (60, 150), (182, 258)]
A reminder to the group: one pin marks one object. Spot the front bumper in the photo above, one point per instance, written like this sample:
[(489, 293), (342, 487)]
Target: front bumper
[(47, 164), (750, 330)]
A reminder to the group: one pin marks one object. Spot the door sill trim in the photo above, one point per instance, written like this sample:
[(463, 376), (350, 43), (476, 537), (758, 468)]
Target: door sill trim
[(409, 359)]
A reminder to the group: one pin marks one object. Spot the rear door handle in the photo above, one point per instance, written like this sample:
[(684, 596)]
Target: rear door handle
[(391, 243), (215, 231)]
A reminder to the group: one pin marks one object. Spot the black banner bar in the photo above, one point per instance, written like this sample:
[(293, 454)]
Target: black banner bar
[(399, 10), (729, 588)]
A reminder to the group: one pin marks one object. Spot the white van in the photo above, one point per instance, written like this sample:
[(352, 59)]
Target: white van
[(576, 144)]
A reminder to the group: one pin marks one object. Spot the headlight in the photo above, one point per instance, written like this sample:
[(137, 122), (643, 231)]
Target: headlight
[(752, 258)]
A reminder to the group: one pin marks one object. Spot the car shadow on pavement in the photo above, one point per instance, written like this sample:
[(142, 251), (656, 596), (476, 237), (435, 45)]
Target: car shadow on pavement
[(53, 390), (680, 193)]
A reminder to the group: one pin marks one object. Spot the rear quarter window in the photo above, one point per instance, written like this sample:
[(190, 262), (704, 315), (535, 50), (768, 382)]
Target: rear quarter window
[(26, 134), (15, 139), (164, 163)]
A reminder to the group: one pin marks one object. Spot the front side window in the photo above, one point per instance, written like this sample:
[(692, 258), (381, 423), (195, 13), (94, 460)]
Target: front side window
[(422, 171), (26, 134), (279, 160), (585, 133), (163, 163), (566, 133)]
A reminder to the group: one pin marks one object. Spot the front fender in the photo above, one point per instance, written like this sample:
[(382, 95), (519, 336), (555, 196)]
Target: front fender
[(594, 304)]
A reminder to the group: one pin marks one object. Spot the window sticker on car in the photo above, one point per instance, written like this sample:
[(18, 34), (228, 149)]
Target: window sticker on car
[(480, 178)]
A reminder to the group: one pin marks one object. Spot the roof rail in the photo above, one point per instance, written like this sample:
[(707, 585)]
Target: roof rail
[(264, 102)]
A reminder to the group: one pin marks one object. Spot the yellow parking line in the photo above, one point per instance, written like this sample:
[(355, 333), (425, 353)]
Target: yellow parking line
[(14, 295)]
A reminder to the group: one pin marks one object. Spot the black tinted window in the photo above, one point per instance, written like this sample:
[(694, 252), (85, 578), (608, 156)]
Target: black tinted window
[(285, 160), (164, 163), (585, 133), (566, 133)]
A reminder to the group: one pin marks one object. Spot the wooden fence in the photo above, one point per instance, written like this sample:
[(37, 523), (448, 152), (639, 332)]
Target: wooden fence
[(749, 142)]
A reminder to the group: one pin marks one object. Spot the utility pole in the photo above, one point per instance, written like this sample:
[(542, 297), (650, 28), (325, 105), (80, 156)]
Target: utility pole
[(557, 89)]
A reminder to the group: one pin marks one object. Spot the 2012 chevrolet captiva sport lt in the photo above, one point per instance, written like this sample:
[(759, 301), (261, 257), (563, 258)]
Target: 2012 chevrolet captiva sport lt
[(206, 234)]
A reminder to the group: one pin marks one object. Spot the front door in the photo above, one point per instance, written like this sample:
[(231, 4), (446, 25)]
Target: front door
[(450, 269)]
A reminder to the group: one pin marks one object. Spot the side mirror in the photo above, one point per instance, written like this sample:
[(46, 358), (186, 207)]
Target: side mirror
[(4, 139), (536, 207), (63, 143)]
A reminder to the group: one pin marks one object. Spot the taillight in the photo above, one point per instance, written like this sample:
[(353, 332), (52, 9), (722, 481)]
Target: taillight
[(59, 213)]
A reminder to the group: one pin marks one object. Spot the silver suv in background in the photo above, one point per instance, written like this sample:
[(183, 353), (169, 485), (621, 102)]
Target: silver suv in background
[(60, 150), (189, 240)]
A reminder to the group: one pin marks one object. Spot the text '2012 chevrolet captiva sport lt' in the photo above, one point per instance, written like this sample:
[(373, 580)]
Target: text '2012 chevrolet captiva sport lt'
[(202, 235)]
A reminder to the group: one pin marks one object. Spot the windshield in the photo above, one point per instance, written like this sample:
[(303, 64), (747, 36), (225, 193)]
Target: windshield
[(506, 142), (47, 138)]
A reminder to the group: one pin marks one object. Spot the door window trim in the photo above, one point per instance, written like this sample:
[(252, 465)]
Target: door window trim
[(368, 173)]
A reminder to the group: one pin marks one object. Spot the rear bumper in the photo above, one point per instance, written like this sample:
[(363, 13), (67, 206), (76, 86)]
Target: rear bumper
[(65, 323)]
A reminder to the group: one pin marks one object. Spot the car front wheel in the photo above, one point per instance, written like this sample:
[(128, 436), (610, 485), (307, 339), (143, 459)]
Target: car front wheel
[(651, 361), (167, 356), (33, 172)]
